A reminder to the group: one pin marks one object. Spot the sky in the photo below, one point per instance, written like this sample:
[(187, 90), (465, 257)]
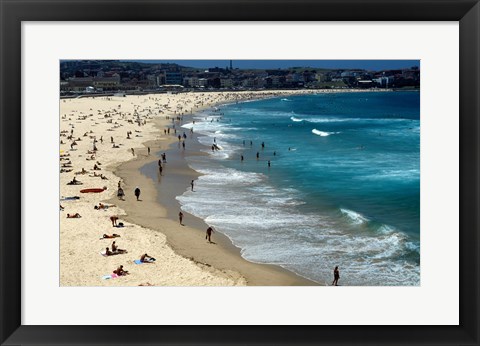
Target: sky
[(373, 65)]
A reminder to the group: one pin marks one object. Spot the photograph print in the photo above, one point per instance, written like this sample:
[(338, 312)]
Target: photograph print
[(239, 173)]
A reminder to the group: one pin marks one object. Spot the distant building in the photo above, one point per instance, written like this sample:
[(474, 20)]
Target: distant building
[(384, 81), (106, 83), (153, 79), (173, 78), (248, 83), (320, 77), (202, 82), (365, 83), (191, 82), (79, 84), (161, 79), (226, 82)]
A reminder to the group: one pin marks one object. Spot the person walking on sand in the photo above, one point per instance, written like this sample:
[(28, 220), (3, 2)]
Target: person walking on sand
[(133, 151), (336, 276), (120, 193), (209, 234), (192, 184), (148, 150), (137, 192), (180, 218)]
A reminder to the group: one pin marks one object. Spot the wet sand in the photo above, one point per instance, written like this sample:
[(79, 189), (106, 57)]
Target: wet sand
[(102, 131), (189, 240)]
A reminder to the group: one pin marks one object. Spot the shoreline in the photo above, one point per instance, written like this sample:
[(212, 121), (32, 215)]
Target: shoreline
[(223, 254), (82, 122), (183, 256)]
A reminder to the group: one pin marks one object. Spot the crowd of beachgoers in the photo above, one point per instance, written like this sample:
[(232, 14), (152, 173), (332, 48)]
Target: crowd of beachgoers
[(98, 245)]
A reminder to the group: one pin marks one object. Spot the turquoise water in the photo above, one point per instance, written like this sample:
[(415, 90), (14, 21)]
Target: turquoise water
[(343, 186)]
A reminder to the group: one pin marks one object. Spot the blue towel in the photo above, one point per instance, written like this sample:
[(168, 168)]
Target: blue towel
[(69, 198), (138, 262)]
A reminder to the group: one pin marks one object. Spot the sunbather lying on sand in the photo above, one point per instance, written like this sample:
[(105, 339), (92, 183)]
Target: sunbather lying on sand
[(108, 236), (73, 216), (103, 206)]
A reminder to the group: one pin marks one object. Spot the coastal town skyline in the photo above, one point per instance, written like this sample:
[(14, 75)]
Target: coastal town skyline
[(97, 76)]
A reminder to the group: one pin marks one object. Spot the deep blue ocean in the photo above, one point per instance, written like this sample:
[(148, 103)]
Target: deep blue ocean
[(342, 188)]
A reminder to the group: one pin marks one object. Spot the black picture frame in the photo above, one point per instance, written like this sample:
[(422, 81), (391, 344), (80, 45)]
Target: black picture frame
[(13, 12)]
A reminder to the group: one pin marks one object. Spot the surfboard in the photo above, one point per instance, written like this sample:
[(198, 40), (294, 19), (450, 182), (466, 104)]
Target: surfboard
[(92, 190)]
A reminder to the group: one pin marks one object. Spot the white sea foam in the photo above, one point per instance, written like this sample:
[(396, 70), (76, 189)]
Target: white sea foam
[(323, 133), (263, 221), (296, 119), (188, 125), (355, 217)]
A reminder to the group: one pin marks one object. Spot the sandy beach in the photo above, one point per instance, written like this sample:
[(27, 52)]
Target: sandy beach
[(97, 136)]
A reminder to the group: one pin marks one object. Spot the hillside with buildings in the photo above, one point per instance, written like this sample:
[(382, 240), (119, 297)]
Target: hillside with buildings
[(101, 76)]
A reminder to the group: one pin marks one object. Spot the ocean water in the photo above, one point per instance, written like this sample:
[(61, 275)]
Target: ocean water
[(342, 188)]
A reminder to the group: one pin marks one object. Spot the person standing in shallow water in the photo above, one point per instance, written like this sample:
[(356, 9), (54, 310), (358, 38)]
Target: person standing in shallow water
[(336, 276), (137, 192), (192, 184)]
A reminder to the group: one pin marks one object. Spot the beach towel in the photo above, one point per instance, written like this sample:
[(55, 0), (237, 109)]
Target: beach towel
[(69, 198), (109, 276), (151, 260)]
